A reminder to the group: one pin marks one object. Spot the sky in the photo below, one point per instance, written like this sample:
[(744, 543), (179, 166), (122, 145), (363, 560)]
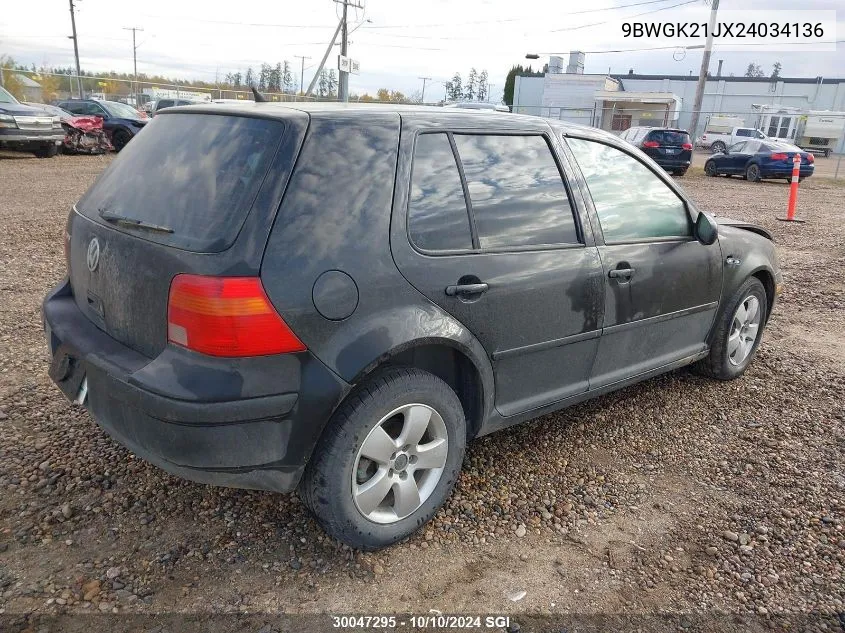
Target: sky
[(395, 41)]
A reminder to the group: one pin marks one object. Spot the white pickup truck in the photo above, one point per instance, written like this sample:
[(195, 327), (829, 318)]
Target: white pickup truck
[(718, 141)]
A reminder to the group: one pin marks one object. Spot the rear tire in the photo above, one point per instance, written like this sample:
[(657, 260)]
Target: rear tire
[(733, 337), (357, 482), (718, 147), (752, 173)]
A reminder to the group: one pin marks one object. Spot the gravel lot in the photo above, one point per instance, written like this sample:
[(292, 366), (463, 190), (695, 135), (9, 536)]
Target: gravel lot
[(680, 495)]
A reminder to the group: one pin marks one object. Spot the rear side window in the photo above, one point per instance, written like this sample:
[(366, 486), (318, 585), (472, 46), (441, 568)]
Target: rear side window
[(517, 195), (632, 203), (668, 137), (744, 133), (165, 103), (437, 210), (196, 174)]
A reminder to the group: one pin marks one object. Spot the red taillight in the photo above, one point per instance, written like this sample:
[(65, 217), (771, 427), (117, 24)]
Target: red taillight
[(226, 316), (687, 145), (811, 158), (778, 156), (651, 144)]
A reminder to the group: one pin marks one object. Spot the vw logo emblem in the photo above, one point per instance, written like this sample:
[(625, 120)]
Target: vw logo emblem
[(93, 256)]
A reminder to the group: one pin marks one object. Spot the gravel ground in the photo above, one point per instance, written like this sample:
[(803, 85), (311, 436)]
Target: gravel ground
[(679, 495)]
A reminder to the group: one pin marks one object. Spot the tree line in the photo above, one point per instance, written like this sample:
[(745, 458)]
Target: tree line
[(476, 87)]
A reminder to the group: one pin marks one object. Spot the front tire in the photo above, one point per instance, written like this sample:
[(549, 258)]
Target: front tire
[(710, 168), (739, 329), (120, 139), (387, 460)]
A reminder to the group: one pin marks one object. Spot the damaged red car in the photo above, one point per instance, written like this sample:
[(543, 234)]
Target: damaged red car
[(83, 134)]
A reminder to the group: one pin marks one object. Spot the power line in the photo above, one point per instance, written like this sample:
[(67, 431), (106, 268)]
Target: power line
[(508, 20), (627, 17)]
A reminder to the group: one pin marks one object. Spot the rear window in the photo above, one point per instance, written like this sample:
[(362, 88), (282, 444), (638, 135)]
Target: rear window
[(195, 174), (668, 137)]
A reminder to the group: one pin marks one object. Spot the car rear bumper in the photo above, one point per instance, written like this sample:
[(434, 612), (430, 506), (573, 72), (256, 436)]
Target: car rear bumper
[(673, 164), (786, 173), (261, 442)]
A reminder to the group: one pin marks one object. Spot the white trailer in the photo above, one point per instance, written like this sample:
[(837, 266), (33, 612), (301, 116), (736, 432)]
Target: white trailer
[(812, 130)]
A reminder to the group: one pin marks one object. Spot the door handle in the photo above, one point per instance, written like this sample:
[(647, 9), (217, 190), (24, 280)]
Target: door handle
[(466, 289), (621, 273)]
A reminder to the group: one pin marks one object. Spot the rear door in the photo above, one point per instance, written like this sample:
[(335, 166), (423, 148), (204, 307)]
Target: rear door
[(661, 285), (196, 193), (491, 231)]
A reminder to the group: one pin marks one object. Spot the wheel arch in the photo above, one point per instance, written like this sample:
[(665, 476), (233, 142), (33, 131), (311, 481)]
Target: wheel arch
[(767, 278), (452, 362)]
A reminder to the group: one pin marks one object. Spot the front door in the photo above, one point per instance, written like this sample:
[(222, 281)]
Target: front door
[(661, 285), (491, 233)]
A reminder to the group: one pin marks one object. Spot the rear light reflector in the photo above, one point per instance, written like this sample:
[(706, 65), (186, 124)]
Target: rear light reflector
[(651, 144), (226, 316), (778, 156), (687, 145)]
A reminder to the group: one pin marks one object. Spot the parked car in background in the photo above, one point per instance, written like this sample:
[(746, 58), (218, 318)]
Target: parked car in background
[(28, 129), (719, 141), (668, 147), (83, 134), (161, 104), (756, 160), (120, 121), (475, 276)]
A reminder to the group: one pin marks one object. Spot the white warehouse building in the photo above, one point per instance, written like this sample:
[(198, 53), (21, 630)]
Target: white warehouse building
[(616, 102)]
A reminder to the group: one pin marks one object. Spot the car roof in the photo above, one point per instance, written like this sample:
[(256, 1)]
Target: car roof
[(282, 110)]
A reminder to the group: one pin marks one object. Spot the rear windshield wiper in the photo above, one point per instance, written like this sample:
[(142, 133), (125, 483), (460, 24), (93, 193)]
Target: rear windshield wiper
[(122, 219)]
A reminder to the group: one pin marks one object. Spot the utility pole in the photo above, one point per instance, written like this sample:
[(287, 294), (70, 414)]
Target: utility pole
[(343, 84), (75, 51), (702, 74), (302, 71), (424, 79), (134, 59)]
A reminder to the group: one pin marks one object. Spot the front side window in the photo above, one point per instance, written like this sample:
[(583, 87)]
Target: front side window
[(736, 148), (631, 202), (517, 195), (437, 211)]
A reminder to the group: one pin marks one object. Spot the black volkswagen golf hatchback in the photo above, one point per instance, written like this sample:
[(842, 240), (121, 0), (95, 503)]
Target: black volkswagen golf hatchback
[(336, 299)]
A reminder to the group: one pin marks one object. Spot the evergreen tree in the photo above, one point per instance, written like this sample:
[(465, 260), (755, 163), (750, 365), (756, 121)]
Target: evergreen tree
[(471, 85), (454, 89), (249, 78), (775, 71), (323, 84), (481, 92), (288, 82), (332, 84), (264, 76)]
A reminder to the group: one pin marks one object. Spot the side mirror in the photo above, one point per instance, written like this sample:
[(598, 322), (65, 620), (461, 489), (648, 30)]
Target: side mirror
[(706, 229)]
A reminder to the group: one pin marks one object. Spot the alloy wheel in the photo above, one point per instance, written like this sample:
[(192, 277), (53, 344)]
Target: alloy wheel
[(399, 463), (745, 326)]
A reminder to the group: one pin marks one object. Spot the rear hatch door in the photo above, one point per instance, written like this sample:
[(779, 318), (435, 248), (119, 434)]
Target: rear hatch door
[(196, 192), (667, 146)]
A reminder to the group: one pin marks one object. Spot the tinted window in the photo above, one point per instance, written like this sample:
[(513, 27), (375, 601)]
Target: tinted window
[(744, 133), (517, 194), (196, 174), (631, 201), (120, 110), (164, 103), (668, 137), (437, 211)]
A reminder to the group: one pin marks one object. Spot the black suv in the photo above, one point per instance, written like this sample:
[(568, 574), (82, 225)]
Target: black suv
[(336, 299), (668, 147)]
